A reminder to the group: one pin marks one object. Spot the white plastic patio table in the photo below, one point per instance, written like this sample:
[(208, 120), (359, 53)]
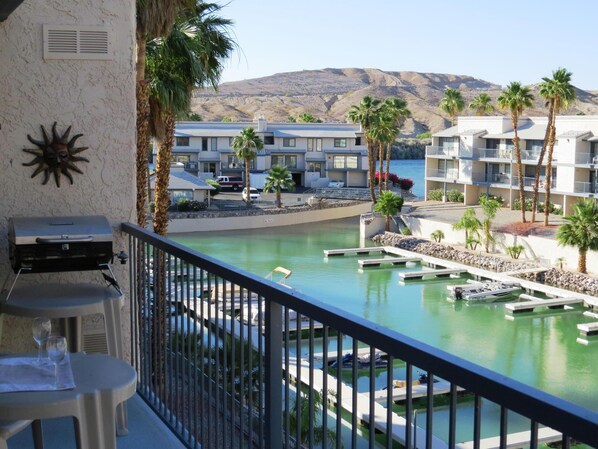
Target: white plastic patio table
[(73, 301), (102, 382)]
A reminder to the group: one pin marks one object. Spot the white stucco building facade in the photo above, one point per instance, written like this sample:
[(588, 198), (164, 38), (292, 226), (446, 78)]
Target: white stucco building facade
[(476, 156), (69, 62)]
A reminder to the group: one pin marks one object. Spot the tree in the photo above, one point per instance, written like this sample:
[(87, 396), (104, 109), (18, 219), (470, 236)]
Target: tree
[(559, 94), (383, 133), (482, 104), (227, 118), (300, 418), (581, 230), (397, 107), (154, 18), (279, 178), (190, 56), (563, 95), (389, 204), (470, 223), (366, 114), (516, 98), (452, 103), (306, 117), (246, 147), (490, 207)]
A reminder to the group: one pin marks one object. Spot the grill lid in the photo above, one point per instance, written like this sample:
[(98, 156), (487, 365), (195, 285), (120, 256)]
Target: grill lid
[(44, 230)]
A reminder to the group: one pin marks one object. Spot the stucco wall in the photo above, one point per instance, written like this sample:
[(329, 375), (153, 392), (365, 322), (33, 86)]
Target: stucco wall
[(96, 97)]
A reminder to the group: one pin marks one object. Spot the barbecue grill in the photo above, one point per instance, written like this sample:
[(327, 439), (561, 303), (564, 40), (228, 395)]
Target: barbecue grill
[(54, 244)]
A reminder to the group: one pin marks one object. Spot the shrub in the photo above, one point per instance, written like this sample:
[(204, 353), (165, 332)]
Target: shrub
[(216, 185), (515, 251), (437, 236), (406, 231), (472, 243), (454, 196), (405, 183), (424, 136), (435, 195), (517, 204), (183, 205), (498, 198), (197, 206)]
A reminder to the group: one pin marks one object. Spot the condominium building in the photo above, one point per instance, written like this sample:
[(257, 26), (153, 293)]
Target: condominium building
[(314, 153), (477, 156)]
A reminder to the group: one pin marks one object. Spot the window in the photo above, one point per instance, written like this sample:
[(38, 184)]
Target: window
[(214, 144), (448, 142), (340, 143), (288, 142), (233, 162), (345, 162), (268, 140), (230, 142), (184, 158), (509, 144), (357, 141), (492, 144), (314, 167), (182, 141), (288, 161), (204, 144), (177, 195), (314, 144)]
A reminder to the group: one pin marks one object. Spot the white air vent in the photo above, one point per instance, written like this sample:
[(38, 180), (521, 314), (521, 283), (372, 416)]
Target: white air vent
[(76, 42)]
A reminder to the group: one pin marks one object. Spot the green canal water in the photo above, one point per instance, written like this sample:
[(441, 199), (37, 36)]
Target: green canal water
[(537, 349)]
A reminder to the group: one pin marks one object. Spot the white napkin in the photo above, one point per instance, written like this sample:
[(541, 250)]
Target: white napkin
[(25, 374)]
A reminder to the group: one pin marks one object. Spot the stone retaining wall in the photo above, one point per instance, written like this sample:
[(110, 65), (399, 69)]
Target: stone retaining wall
[(576, 282)]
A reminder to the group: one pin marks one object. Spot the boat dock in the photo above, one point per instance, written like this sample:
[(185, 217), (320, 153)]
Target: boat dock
[(333, 355), (392, 260), (588, 329), (417, 391), (515, 440), (529, 306), (438, 273), (342, 252)]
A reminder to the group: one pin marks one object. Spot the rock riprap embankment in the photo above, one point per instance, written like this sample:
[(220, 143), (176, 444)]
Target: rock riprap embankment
[(558, 278)]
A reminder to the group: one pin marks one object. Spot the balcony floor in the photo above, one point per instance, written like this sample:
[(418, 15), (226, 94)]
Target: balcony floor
[(146, 431)]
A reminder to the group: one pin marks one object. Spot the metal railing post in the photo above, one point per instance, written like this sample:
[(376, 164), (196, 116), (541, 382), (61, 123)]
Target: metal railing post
[(273, 377)]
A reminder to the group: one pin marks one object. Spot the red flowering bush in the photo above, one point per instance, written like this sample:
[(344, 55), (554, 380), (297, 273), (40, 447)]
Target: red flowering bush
[(402, 183)]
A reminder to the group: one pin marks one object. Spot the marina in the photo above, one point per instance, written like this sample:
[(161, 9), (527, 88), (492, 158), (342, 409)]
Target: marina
[(389, 260), (431, 273), (530, 306)]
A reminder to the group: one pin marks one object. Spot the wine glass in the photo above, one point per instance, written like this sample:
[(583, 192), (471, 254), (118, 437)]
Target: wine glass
[(56, 347), (41, 328)]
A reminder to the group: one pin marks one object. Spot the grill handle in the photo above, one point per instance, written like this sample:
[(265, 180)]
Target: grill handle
[(64, 240)]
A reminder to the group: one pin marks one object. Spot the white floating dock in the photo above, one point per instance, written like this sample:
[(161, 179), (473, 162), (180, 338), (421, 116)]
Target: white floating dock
[(417, 390), (438, 273), (529, 306), (588, 329), (392, 260), (333, 355), (342, 252), (516, 440)]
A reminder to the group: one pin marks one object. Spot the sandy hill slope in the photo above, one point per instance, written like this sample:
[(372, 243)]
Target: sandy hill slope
[(329, 93)]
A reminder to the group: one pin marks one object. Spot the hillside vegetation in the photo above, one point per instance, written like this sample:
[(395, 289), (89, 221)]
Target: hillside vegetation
[(328, 94)]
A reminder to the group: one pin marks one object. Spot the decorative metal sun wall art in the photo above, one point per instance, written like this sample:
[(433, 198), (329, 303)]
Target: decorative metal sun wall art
[(56, 155)]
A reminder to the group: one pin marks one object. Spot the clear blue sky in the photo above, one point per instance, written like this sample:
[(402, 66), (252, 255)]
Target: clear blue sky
[(498, 41)]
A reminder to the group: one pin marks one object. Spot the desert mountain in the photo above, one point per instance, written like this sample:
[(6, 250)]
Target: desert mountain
[(329, 93)]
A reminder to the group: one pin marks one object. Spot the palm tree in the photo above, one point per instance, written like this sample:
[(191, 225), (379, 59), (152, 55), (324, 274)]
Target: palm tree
[(300, 418), (490, 207), (190, 56), (482, 104), (306, 117), (155, 18), (389, 204), (279, 178), (470, 223), (516, 98), (581, 230), (366, 114), (452, 103), (559, 94), (383, 133), (246, 146), (563, 95), (398, 108)]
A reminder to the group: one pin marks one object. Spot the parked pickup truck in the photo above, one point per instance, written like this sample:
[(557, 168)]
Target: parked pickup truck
[(231, 182)]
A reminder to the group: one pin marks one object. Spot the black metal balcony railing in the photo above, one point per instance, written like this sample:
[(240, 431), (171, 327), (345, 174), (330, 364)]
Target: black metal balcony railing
[(229, 359)]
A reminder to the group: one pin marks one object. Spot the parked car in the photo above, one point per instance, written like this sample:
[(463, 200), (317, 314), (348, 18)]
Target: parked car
[(253, 194), (230, 182)]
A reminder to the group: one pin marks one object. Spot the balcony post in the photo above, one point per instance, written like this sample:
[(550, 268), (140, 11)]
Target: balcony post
[(273, 378)]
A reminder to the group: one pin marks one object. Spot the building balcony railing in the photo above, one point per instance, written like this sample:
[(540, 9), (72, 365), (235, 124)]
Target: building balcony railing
[(451, 174), (585, 187), (227, 359), (493, 178), (530, 155), (586, 158), (489, 153), (528, 182), (447, 151)]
